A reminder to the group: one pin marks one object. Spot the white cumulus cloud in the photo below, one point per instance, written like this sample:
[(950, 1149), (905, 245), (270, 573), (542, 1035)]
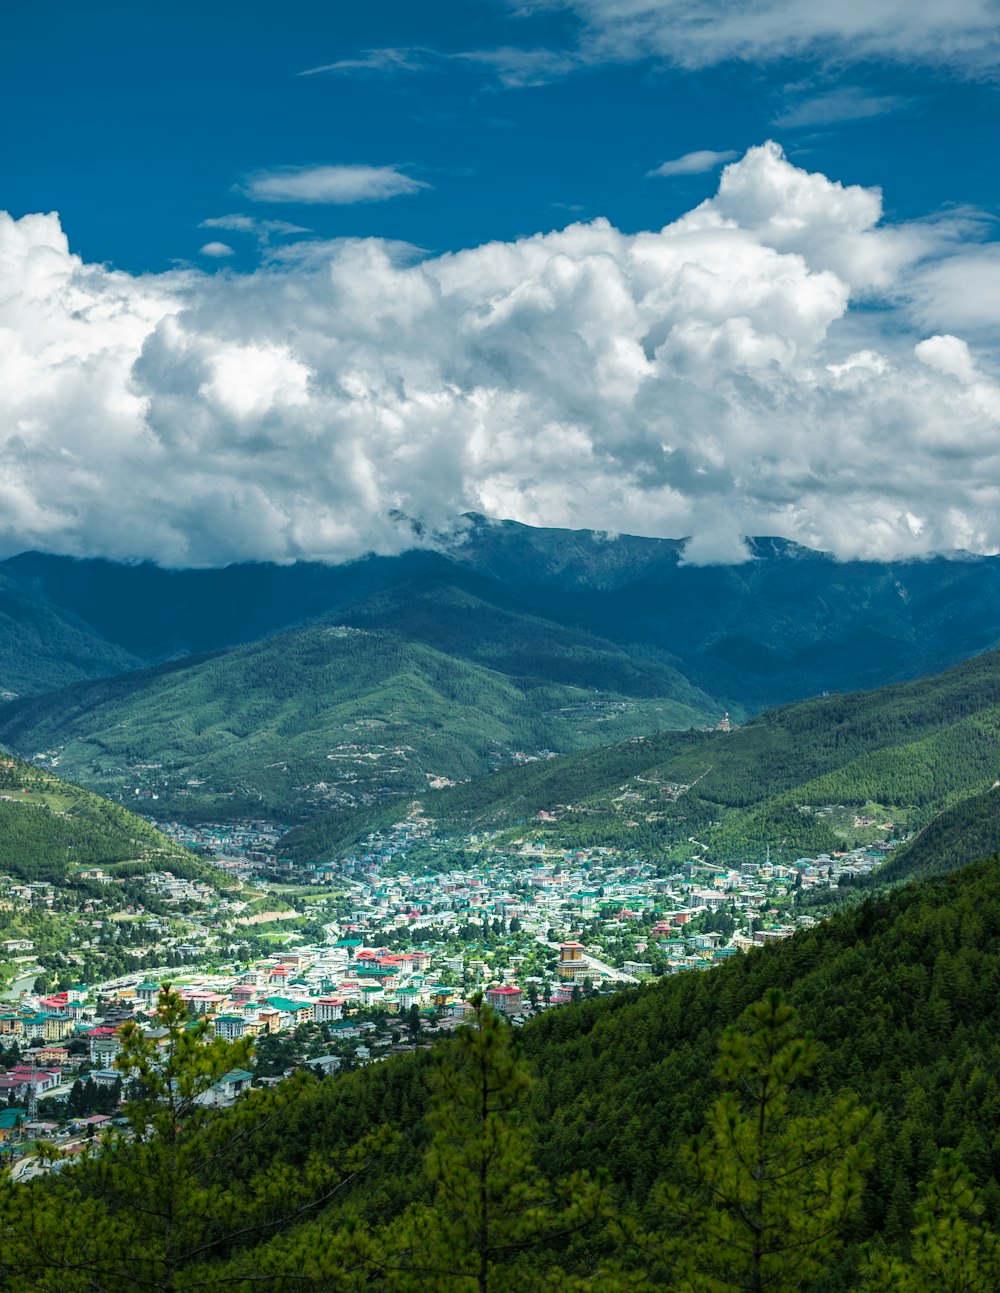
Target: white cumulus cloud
[(947, 354), (779, 360)]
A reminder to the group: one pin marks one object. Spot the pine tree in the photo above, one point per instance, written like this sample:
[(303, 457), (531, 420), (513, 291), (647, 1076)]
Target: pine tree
[(952, 1251), (156, 1206), (491, 1205), (75, 1103), (772, 1189)]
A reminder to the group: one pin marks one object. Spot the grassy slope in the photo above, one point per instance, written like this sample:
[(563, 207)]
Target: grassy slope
[(331, 716), (157, 615)]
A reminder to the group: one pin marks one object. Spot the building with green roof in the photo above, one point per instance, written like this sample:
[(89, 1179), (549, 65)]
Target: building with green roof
[(11, 1121)]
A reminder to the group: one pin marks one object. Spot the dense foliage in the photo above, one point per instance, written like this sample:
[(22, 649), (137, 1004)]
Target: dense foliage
[(957, 836)]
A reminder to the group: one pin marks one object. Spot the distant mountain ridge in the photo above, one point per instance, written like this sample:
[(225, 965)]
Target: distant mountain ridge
[(343, 730), (784, 625)]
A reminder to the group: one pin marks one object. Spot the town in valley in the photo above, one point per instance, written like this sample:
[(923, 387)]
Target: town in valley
[(340, 964)]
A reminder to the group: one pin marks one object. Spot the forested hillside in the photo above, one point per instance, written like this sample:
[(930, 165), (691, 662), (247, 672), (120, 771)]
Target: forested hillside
[(327, 717), (50, 829), (902, 994), (957, 836), (817, 776)]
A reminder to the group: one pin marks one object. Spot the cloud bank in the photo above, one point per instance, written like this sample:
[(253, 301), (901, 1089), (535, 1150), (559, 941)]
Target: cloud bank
[(777, 361)]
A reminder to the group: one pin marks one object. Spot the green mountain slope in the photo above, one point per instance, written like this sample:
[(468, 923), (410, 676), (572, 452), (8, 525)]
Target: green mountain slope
[(957, 836), (787, 623), (333, 717), (50, 830), (464, 620), (813, 777)]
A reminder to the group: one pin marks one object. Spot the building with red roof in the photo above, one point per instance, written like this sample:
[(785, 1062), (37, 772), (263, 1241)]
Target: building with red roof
[(507, 1000)]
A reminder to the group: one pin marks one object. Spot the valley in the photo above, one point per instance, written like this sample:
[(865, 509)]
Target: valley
[(334, 838), (477, 748)]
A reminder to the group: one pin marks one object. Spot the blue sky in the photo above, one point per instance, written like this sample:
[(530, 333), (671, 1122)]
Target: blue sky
[(137, 122), (273, 277)]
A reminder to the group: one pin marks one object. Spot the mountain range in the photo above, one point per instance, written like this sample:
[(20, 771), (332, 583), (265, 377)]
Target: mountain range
[(328, 717), (532, 685), (787, 623), (508, 671)]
